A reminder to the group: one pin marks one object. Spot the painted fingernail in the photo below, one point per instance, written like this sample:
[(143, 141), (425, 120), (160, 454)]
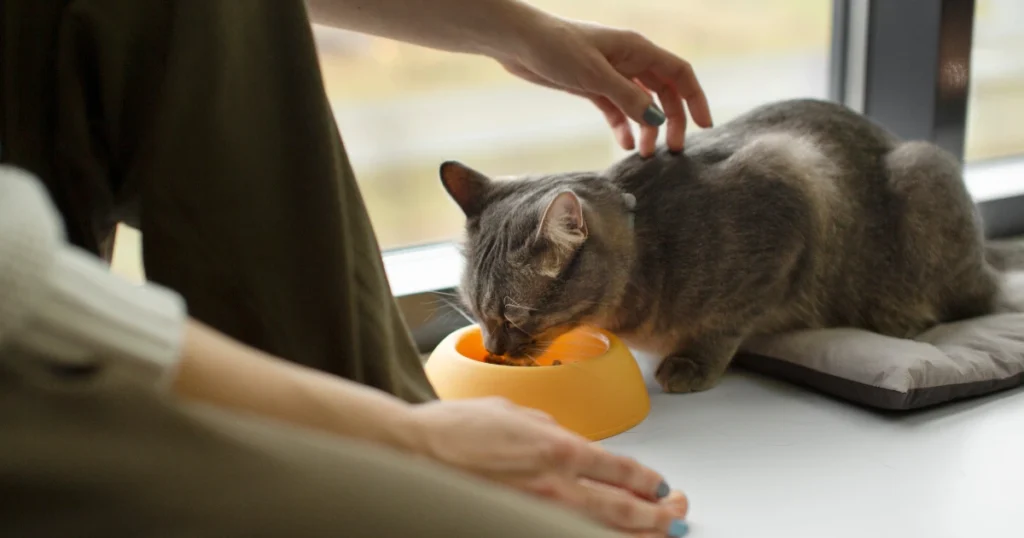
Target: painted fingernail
[(653, 116), (663, 490), (678, 529)]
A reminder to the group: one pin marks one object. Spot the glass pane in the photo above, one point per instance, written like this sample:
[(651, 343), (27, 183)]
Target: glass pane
[(995, 120), (403, 110)]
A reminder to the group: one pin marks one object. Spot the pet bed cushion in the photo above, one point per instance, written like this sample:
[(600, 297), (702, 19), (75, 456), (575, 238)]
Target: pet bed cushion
[(949, 362)]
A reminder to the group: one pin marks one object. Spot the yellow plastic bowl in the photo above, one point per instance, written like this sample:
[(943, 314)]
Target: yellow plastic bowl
[(597, 391)]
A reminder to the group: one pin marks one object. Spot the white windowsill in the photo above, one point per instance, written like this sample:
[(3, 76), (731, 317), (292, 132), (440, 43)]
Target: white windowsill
[(436, 267), (422, 269), (995, 179)]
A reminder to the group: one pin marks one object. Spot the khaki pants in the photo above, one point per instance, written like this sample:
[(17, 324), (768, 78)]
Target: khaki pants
[(205, 124)]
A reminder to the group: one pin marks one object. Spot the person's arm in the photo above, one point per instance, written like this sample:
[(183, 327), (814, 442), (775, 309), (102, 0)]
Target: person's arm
[(599, 63), (221, 371), (490, 438), (492, 28)]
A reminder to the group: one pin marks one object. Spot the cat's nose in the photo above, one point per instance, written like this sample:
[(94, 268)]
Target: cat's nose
[(495, 345)]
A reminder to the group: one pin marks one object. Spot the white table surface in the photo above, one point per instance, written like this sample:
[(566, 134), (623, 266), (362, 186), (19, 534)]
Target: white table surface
[(761, 458)]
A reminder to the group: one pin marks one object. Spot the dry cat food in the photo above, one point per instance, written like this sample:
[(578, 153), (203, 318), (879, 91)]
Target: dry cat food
[(508, 361)]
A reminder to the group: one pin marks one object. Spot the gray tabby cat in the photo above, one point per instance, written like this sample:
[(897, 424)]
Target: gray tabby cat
[(798, 214)]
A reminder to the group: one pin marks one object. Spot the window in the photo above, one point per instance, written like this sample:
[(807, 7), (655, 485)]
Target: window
[(127, 260), (995, 121), (403, 110)]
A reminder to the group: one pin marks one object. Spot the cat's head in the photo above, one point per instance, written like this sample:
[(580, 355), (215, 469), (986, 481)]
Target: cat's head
[(543, 254)]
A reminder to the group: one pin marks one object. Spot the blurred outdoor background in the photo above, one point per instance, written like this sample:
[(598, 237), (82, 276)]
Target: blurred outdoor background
[(402, 110), (995, 121)]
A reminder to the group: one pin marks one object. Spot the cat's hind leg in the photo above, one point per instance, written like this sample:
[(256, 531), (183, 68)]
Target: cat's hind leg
[(940, 261), (938, 226)]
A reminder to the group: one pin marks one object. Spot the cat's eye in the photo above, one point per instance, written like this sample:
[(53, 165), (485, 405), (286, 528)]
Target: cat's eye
[(508, 325)]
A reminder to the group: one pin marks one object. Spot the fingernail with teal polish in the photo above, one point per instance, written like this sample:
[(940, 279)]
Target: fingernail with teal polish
[(663, 490), (678, 529), (653, 116)]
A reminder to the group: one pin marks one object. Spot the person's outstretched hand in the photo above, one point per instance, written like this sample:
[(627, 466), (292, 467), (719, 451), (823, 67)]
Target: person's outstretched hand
[(527, 450), (617, 70)]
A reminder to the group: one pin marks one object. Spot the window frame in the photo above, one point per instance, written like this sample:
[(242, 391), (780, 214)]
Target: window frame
[(904, 92)]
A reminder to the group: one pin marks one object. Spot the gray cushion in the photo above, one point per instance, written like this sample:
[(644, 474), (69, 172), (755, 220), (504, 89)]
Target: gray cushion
[(949, 362)]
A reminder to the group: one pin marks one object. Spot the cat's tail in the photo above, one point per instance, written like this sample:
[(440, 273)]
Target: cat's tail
[(1007, 258)]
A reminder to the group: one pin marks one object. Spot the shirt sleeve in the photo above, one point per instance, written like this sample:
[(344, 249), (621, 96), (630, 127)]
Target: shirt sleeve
[(63, 303)]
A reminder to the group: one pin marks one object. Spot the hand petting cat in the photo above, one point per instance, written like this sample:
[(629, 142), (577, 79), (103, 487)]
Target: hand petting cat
[(618, 70)]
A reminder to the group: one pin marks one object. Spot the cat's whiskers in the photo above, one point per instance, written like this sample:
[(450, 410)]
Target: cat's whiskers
[(600, 303), (456, 308), (465, 316), (514, 324), (438, 305), (512, 303)]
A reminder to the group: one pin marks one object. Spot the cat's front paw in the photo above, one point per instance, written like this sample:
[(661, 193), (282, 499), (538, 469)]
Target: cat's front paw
[(680, 374)]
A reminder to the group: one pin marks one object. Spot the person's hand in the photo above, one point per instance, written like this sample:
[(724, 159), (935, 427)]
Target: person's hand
[(527, 450), (617, 70)]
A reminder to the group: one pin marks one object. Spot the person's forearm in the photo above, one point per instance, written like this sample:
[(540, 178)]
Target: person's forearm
[(217, 370), (493, 28)]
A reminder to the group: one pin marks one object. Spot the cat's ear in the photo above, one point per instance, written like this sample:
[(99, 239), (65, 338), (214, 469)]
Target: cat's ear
[(466, 186), (562, 223)]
